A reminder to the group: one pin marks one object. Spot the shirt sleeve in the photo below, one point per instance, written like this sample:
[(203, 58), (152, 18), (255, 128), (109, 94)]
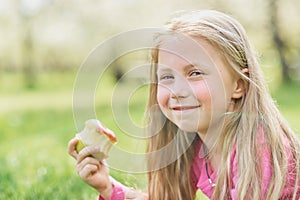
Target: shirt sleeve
[(117, 194), (119, 191)]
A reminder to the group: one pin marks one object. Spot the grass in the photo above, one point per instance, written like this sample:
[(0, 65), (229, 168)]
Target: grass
[(287, 98), (36, 126), (33, 157)]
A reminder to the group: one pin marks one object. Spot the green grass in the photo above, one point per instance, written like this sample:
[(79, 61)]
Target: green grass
[(34, 159), (36, 126), (14, 82), (34, 162), (287, 98)]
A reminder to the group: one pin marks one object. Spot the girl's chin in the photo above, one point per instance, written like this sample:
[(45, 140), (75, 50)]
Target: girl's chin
[(187, 128)]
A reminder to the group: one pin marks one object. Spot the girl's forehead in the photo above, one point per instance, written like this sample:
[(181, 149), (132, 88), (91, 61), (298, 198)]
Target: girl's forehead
[(195, 52), (188, 57), (183, 42), (187, 49)]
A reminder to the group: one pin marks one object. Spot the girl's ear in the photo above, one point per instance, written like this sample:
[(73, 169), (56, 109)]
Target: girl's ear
[(240, 86)]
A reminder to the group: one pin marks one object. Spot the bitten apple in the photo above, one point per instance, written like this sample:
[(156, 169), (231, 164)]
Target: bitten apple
[(95, 134)]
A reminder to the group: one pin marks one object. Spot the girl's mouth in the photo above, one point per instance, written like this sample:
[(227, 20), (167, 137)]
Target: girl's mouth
[(183, 108)]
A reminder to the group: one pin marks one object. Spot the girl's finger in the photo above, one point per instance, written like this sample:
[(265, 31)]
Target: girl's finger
[(87, 152), (87, 171), (72, 147), (86, 161)]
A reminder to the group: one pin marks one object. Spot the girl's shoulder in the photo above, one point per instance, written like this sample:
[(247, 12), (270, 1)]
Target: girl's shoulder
[(265, 156)]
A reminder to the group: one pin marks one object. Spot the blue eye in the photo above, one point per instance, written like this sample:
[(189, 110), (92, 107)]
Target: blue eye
[(166, 77)]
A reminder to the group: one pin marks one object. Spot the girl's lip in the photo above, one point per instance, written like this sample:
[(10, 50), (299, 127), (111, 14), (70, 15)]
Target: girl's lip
[(182, 108)]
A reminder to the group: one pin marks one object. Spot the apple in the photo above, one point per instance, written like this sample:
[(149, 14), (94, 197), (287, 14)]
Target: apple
[(95, 134), (80, 145)]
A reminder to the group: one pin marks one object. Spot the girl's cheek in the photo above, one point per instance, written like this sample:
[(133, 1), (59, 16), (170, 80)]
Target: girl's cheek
[(202, 93), (211, 96), (162, 96)]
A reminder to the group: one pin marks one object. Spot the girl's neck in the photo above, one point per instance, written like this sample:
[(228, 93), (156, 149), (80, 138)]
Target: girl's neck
[(202, 136), (214, 159), (212, 152)]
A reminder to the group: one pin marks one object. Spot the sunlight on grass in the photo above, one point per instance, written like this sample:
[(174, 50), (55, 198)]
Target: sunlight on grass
[(287, 98), (137, 106), (35, 101)]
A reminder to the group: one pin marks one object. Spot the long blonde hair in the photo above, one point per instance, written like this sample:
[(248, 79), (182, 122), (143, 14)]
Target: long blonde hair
[(255, 110)]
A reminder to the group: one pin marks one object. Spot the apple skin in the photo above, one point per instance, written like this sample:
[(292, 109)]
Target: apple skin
[(80, 145)]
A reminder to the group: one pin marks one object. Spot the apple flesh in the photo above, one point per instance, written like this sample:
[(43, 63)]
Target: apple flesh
[(95, 134)]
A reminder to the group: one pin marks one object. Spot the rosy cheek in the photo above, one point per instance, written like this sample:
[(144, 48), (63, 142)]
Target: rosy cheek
[(202, 93), (211, 96), (162, 96)]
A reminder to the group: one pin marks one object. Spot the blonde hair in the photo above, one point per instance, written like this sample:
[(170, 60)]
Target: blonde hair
[(254, 111)]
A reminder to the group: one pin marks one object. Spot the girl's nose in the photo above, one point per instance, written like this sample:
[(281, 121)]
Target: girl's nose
[(180, 89)]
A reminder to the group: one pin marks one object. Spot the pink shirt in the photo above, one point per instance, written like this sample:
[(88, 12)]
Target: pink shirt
[(200, 179)]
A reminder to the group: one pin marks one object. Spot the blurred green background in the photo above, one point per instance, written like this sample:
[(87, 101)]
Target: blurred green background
[(44, 42)]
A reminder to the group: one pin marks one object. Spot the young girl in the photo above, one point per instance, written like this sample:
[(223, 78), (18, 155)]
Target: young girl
[(234, 143)]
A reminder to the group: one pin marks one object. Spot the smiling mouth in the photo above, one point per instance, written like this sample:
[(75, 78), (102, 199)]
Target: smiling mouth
[(183, 108)]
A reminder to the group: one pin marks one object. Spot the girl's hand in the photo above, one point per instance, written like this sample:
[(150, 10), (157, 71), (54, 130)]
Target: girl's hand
[(90, 170)]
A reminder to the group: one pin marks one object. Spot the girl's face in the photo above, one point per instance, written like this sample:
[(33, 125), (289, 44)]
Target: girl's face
[(195, 87)]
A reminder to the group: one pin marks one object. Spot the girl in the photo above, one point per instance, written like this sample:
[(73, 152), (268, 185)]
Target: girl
[(233, 142)]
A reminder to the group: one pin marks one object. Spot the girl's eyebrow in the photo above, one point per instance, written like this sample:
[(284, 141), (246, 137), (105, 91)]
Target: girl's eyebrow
[(186, 68), (201, 66), (189, 67), (164, 69)]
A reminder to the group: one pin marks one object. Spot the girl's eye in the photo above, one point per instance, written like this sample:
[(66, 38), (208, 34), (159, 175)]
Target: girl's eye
[(166, 77), (196, 73)]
